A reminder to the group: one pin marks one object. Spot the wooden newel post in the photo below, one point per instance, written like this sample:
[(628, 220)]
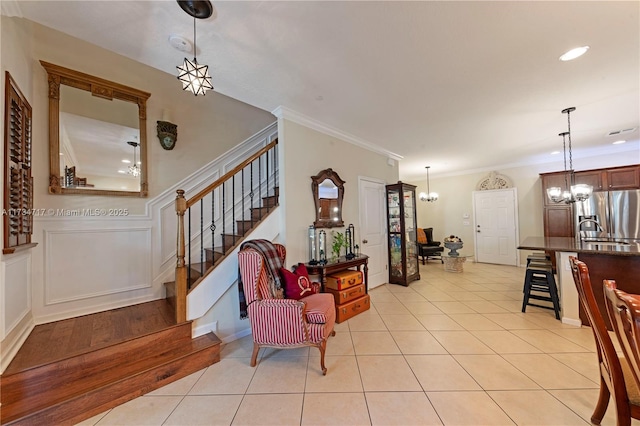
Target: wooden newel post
[(181, 270)]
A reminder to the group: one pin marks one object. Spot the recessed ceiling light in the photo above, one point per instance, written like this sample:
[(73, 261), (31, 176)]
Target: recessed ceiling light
[(574, 53), (555, 152), (620, 142), (126, 161)]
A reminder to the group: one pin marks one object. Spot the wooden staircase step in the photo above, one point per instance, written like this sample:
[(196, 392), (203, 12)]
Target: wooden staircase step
[(214, 254), (244, 226), (230, 240), (85, 385), (270, 201), (258, 213)]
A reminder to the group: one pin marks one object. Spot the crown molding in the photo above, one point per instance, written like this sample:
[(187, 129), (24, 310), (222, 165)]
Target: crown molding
[(10, 8), (291, 115)]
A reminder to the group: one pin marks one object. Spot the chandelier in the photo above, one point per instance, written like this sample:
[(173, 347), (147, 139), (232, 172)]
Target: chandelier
[(428, 196), (195, 77), (134, 169), (572, 192)]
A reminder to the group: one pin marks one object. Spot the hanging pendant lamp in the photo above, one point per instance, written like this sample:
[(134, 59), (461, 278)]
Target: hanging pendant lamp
[(572, 192), (428, 196), (195, 77)]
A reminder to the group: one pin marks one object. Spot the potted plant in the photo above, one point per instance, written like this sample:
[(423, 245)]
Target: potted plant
[(338, 242)]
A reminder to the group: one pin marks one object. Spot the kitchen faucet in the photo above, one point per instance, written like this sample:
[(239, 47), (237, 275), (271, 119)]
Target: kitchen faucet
[(597, 224)]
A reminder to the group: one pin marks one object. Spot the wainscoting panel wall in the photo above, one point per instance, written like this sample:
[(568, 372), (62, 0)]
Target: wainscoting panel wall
[(16, 274), (89, 263)]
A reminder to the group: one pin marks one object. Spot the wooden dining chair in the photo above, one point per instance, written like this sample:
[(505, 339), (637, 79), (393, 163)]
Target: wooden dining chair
[(616, 377)]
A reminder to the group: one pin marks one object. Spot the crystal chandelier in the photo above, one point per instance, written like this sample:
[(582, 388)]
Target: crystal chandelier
[(134, 169), (195, 77), (428, 196), (572, 192)]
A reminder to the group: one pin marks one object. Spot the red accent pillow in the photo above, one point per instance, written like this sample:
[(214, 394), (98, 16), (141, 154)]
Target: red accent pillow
[(296, 285)]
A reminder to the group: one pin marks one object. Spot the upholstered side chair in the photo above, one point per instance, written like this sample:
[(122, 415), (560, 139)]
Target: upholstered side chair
[(283, 323)]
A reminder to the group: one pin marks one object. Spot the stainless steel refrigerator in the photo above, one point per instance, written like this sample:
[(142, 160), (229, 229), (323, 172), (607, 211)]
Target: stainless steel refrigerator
[(618, 212)]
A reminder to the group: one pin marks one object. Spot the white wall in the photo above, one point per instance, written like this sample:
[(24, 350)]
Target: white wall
[(84, 264)]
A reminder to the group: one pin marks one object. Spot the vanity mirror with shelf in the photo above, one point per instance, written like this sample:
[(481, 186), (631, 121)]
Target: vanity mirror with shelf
[(97, 135), (328, 192)]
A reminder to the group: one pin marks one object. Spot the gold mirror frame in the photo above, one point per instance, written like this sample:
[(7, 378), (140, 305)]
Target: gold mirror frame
[(102, 88), (339, 183)]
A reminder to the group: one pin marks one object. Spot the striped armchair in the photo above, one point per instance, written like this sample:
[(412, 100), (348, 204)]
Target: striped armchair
[(283, 323)]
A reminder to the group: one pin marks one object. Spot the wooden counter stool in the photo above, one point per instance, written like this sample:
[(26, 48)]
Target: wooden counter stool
[(539, 278)]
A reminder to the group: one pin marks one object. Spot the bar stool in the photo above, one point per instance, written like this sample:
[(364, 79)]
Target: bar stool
[(538, 256), (539, 278)]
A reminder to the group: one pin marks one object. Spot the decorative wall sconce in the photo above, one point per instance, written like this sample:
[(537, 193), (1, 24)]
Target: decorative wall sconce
[(167, 134)]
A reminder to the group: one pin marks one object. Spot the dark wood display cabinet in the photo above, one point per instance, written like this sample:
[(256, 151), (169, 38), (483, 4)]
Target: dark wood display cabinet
[(402, 226)]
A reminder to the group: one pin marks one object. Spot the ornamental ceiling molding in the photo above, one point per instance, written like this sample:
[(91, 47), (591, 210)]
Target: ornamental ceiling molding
[(494, 180)]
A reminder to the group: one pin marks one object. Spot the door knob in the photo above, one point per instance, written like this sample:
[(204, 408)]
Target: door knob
[(364, 241), (478, 231)]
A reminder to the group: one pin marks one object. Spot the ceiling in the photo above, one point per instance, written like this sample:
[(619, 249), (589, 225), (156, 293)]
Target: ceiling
[(459, 86)]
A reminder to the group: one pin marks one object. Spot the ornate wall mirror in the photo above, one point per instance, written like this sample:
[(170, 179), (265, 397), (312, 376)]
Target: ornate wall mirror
[(97, 135), (328, 190)]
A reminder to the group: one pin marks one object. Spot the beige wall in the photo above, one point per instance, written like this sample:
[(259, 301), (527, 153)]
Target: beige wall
[(305, 152), (455, 197), (207, 126)]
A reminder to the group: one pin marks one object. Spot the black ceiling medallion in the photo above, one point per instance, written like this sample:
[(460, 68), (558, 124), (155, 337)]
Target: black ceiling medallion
[(201, 9)]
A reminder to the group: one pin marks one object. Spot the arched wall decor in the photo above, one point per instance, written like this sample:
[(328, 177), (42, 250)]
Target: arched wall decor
[(494, 181)]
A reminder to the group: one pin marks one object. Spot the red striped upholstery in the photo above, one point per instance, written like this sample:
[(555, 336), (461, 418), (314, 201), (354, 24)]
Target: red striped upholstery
[(282, 322)]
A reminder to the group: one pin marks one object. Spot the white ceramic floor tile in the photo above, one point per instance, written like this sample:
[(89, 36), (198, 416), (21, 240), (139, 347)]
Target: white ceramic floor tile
[(504, 342), (584, 363), (387, 373), (511, 321), (280, 375), (547, 341), (441, 373), (342, 375), (485, 307), (549, 372), (367, 321), (240, 348), (468, 408), (229, 376), (418, 308), (580, 336), (401, 409), (272, 409), (401, 322), (335, 409), (340, 344), (475, 322), (454, 307), (438, 322), (583, 402), (390, 308), (461, 342), (492, 372), (146, 410), (417, 343), (374, 343), (205, 410), (548, 410)]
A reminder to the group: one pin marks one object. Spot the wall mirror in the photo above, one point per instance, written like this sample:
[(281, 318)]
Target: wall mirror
[(97, 135), (328, 191)]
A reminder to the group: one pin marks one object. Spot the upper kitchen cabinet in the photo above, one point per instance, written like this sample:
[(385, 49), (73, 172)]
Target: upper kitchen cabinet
[(591, 177), (623, 178), (549, 180)]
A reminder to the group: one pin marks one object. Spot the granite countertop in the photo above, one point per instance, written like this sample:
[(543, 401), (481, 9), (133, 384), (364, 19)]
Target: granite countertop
[(573, 245)]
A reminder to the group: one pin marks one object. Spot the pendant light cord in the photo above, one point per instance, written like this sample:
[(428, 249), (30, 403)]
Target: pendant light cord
[(195, 46), (570, 156)]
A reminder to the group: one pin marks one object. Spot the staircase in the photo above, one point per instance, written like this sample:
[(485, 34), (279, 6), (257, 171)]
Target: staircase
[(222, 215), (89, 380)]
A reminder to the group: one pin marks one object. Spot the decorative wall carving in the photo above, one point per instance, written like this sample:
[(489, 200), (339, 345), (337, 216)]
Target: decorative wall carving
[(494, 181)]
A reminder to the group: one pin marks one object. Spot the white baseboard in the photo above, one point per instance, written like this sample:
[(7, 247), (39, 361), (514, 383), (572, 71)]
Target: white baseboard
[(14, 347), (239, 335), (572, 321), (203, 329)]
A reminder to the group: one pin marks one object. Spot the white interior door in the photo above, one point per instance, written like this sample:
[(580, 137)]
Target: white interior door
[(496, 226), (372, 238)]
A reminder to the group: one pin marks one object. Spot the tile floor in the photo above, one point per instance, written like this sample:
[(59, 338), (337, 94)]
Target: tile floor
[(449, 349)]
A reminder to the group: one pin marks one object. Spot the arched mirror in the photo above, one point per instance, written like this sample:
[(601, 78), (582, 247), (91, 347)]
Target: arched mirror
[(97, 135), (328, 190)]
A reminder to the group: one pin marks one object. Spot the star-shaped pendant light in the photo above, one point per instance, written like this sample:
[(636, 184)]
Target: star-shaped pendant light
[(195, 77)]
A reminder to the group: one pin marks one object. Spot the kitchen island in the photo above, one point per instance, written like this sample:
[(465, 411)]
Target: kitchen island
[(605, 259)]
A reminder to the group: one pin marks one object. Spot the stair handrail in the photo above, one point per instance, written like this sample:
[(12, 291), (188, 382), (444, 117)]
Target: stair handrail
[(182, 205)]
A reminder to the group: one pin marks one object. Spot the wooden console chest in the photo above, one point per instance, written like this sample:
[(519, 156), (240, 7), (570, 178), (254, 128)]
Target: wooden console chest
[(347, 280)]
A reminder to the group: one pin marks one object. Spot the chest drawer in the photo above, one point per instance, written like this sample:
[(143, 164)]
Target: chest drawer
[(344, 279), (344, 296), (351, 309)]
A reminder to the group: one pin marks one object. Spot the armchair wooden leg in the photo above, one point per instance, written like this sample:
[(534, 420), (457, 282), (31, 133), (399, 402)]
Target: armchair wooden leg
[(333, 332), (254, 356), (323, 347)]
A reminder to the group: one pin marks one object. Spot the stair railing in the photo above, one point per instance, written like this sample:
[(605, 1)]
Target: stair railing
[(225, 202)]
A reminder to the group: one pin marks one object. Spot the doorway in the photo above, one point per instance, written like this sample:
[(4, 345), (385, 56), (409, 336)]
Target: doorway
[(373, 235), (496, 226)]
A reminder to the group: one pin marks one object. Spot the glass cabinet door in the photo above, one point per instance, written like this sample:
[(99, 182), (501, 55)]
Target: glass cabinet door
[(395, 233), (410, 235)]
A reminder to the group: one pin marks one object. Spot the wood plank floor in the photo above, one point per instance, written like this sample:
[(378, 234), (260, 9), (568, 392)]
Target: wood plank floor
[(78, 335)]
